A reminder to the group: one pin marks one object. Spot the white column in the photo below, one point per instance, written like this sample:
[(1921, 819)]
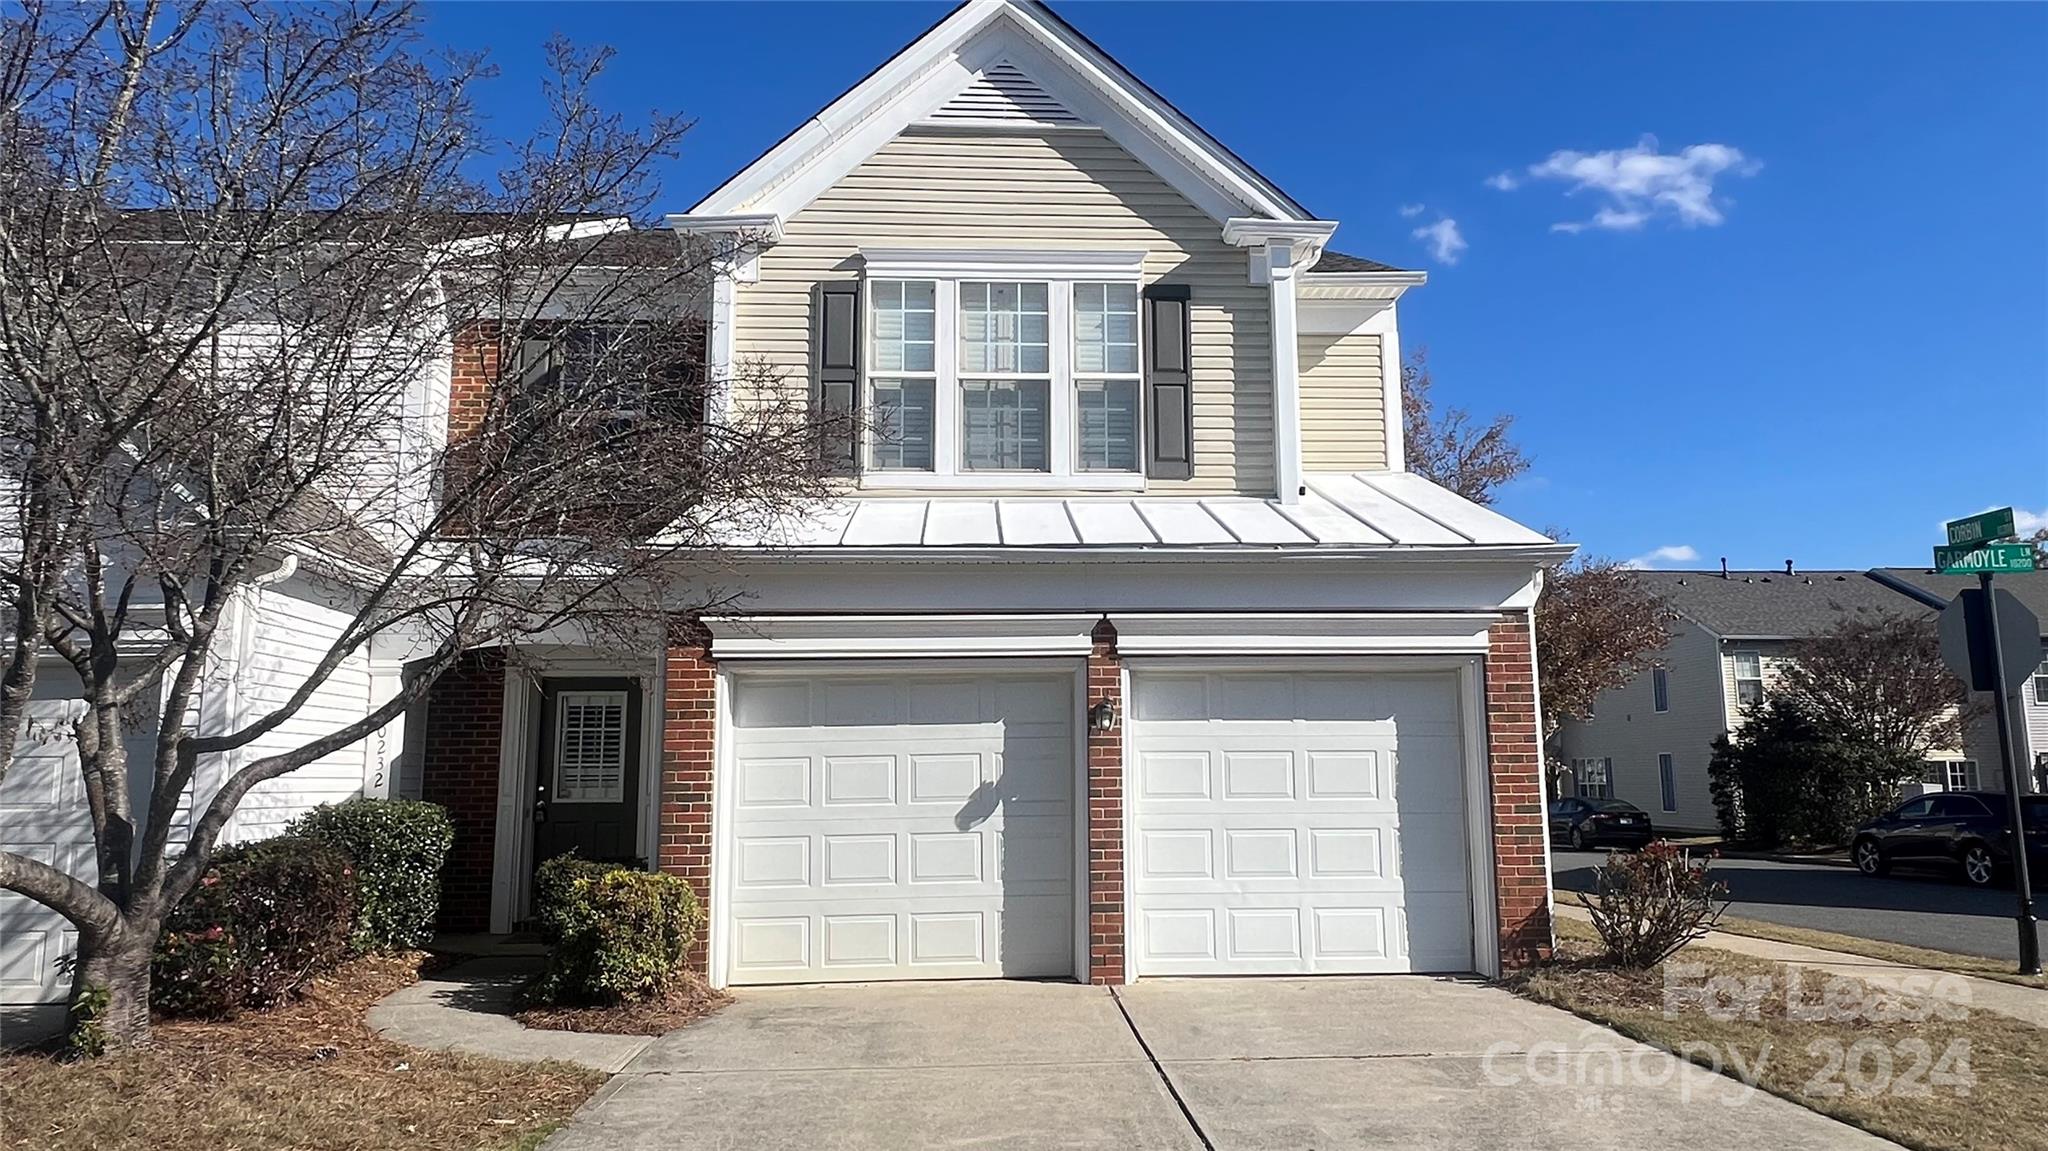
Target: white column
[(1286, 373), (718, 347)]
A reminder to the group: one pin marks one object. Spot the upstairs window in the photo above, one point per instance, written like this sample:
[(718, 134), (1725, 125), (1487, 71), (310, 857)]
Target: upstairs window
[(1749, 678), (2041, 683), (1660, 689), (986, 381)]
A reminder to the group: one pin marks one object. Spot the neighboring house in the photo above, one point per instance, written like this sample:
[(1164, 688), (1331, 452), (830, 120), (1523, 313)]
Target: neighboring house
[(1132, 649), (1650, 740), (1979, 760)]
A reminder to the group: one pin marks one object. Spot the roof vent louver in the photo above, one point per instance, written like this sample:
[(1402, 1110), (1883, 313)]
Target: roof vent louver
[(1003, 92)]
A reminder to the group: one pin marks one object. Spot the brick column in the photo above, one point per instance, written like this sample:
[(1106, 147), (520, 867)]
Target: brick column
[(688, 726), (472, 375), (1105, 814), (459, 771), (1514, 752)]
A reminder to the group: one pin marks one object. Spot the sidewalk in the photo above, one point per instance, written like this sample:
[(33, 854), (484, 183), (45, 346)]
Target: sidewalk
[(468, 1008), (2009, 999)]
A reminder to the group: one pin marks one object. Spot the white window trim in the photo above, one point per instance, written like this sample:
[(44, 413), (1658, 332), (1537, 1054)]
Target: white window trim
[(1735, 674), (946, 270)]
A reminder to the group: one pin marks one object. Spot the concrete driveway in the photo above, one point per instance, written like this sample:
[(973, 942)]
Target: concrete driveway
[(1393, 1062)]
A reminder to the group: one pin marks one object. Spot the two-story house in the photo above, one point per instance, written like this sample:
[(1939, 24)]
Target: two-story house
[(1649, 741), (1130, 647)]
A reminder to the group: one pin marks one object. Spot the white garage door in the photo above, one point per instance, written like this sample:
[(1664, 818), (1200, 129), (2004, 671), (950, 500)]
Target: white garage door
[(901, 827), (1292, 823)]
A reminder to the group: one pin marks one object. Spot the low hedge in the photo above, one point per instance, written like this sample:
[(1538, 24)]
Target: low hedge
[(265, 919), (618, 934), (399, 846)]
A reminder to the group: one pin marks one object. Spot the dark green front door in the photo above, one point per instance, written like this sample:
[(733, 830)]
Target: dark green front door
[(587, 797)]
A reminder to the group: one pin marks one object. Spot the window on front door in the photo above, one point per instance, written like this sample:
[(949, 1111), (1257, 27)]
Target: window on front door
[(1002, 381), (590, 746)]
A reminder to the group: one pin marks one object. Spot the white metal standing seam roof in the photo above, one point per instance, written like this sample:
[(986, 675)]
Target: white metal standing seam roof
[(1339, 510)]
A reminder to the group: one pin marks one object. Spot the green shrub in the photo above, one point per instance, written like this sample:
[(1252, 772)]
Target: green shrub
[(398, 846), (265, 918), (617, 933), (1649, 903), (1789, 778)]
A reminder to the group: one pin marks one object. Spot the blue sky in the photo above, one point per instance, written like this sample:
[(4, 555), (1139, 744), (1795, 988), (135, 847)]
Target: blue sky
[(1799, 305)]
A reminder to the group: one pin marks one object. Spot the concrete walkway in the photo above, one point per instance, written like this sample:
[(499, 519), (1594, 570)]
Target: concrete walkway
[(468, 1007), (2027, 1004), (1396, 1062)]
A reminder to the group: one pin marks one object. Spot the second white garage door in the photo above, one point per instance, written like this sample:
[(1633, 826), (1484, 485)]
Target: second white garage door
[(1298, 823), (901, 827)]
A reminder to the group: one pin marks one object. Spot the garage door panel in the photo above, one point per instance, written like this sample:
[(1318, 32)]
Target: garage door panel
[(932, 836), (1268, 844)]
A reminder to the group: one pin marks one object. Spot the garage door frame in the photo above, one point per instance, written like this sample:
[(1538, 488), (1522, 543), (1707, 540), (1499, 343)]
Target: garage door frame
[(729, 678), (1470, 672)]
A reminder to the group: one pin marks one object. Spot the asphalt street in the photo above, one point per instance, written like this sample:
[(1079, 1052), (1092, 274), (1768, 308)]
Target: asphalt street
[(1922, 908)]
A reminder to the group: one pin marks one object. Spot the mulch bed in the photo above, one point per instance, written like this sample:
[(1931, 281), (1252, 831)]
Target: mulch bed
[(691, 1000), (306, 1074)]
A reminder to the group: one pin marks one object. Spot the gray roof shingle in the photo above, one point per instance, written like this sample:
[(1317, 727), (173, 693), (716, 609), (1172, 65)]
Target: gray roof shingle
[(1771, 603), (1344, 262), (2030, 588)]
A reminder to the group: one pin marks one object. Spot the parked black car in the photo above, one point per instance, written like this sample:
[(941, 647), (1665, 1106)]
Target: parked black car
[(1964, 830), (1584, 823)]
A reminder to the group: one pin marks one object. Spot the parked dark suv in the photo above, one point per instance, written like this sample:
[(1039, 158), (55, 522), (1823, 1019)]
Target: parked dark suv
[(1584, 823), (1965, 830)]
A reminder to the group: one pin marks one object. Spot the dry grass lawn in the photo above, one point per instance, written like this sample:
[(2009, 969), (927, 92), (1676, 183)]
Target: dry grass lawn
[(306, 1075), (1888, 1089)]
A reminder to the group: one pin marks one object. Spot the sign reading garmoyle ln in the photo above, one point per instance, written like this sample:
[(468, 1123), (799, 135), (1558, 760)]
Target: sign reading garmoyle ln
[(1973, 548)]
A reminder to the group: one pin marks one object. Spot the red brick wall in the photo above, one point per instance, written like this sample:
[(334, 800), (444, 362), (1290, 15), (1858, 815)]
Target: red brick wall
[(1515, 759), (474, 373), (688, 755), (459, 771), (1105, 814)]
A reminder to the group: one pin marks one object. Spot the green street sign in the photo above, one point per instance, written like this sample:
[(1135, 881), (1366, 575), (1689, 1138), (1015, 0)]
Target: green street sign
[(1983, 528), (1997, 559)]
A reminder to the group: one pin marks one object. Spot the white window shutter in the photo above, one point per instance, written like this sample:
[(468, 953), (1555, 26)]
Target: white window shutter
[(590, 747)]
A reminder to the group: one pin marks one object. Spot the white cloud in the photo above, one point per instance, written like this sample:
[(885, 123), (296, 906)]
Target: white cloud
[(1445, 242), (2027, 523), (1503, 182), (1642, 183), (1411, 209), (1669, 554)]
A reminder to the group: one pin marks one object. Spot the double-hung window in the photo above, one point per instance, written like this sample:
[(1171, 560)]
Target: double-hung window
[(1011, 370), (1749, 678)]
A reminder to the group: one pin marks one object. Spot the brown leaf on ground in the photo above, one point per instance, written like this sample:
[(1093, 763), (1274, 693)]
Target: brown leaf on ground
[(307, 1074), (691, 1000)]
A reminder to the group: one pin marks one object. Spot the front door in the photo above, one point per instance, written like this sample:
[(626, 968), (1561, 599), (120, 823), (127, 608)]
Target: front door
[(587, 794)]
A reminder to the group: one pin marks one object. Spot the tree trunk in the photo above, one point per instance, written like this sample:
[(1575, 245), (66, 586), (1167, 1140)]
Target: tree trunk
[(109, 1005)]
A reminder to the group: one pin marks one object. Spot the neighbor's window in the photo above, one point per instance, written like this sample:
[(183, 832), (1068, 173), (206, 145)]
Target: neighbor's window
[(2041, 683), (1962, 775), (1749, 678), (1660, 689), (1594, 776), (1667, 779), (1038, 378)]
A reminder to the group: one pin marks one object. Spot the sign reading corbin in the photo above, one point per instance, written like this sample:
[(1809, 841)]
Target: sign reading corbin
[(1991, 640)]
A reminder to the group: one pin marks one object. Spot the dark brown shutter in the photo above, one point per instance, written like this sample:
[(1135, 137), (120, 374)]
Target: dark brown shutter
[(835, 356), (1169, 409)]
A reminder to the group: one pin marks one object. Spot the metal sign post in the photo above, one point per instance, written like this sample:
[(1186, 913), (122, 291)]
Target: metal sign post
[(1974, 547)]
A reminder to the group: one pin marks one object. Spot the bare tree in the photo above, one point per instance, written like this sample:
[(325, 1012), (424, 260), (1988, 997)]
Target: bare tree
[(236, 243), (1598, 626), (1880, 680), (1450, 447)]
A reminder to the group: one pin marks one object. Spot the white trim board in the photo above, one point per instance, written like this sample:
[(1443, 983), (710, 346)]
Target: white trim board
[(1300, 633), (869, 636)]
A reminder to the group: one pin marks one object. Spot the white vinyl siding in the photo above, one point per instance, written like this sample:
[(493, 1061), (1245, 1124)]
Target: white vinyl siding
[(1343, 403), (1061, 191), (1632, 733)]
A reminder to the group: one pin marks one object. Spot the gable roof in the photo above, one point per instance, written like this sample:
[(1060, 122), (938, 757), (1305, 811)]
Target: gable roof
[(1924, 585), (1773, 605), (1021, 42), (1345, 262)]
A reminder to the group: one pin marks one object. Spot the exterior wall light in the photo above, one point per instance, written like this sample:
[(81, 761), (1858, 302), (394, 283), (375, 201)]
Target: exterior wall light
[(1102, 716)]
